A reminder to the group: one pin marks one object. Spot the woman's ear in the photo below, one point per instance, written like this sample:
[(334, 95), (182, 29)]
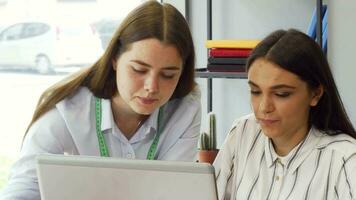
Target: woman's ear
[(317, 94)]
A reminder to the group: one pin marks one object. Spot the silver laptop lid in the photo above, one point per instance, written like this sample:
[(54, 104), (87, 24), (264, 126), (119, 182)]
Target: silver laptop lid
[(83, 177)]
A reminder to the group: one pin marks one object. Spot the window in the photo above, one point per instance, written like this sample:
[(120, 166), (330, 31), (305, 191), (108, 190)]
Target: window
[(34, 29), (31, 60), (68, 1), (12, 33), (3, 2)]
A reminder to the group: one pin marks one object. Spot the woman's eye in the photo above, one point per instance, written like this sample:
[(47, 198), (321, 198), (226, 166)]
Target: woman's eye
[(255, 92), (168, 75), (283, 94), (139, 70)]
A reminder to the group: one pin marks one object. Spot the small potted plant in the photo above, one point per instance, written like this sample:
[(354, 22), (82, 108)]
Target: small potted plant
[(207, 142)]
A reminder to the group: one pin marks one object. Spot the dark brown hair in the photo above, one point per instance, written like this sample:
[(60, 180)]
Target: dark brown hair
[(297, 53)]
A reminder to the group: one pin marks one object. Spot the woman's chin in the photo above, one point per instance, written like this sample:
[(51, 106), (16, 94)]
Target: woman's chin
[(144, 110), (270, 133)]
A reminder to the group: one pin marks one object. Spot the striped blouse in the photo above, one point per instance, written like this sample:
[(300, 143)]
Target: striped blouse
[(320, 167)]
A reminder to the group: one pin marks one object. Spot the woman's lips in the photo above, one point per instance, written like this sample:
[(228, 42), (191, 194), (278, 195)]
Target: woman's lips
[(267, 121), (145, 100)]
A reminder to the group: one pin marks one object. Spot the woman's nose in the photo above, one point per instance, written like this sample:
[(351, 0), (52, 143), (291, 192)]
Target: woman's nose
[(266, 105), (152, 84)]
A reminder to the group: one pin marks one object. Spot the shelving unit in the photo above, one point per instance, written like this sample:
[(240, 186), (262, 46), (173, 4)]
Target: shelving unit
[(210, 75)]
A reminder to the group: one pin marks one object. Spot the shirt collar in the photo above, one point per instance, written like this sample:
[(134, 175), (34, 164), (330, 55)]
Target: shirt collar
[(106, 115), (273, 156), (298, 154), (147, 127), (152, 120), (270, 159), (108, 121)]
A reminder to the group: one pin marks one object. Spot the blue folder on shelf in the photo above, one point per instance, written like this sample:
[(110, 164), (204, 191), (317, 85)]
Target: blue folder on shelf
[(312, 26), (325, 32)]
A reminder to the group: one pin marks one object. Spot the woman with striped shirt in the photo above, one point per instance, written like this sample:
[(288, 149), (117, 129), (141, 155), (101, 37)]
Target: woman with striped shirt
[(299, 143)]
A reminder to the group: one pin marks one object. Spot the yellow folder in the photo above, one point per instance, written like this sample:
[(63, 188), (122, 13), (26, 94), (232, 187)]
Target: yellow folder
[(242, 44)]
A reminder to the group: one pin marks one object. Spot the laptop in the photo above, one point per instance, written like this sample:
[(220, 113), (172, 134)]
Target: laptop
[(92, 178)]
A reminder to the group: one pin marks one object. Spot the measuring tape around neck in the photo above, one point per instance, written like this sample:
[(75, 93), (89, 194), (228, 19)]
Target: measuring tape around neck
[(104, 152)]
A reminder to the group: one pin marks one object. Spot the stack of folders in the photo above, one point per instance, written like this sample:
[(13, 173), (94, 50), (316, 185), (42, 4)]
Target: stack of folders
[(229, 55)]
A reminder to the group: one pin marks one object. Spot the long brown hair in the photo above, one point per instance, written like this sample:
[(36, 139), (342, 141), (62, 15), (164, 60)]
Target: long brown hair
[(149, 20), (297, 53)]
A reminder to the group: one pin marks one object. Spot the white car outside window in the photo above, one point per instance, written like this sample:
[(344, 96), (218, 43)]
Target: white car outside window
[(45, 46)]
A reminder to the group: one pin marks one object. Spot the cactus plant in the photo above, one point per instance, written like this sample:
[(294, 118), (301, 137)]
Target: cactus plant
[(207, 140)]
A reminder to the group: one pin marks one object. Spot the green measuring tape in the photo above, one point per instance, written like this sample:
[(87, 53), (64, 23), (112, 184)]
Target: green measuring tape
[(102, 144)]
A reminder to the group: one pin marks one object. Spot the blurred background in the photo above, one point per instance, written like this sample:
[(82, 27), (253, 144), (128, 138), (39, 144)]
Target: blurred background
[(41, 42)]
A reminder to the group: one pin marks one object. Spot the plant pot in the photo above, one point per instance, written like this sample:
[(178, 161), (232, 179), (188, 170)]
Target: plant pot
[(207, 156)]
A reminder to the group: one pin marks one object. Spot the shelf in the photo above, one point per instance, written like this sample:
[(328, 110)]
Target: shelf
[(203, 73), (206, 74)]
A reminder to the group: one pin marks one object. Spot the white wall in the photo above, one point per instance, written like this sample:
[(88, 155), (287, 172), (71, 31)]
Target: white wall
[(341, 50), (179, 4), (240, 19)]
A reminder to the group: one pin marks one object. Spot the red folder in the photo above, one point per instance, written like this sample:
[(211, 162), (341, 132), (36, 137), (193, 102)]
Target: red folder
[(219, 52)]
